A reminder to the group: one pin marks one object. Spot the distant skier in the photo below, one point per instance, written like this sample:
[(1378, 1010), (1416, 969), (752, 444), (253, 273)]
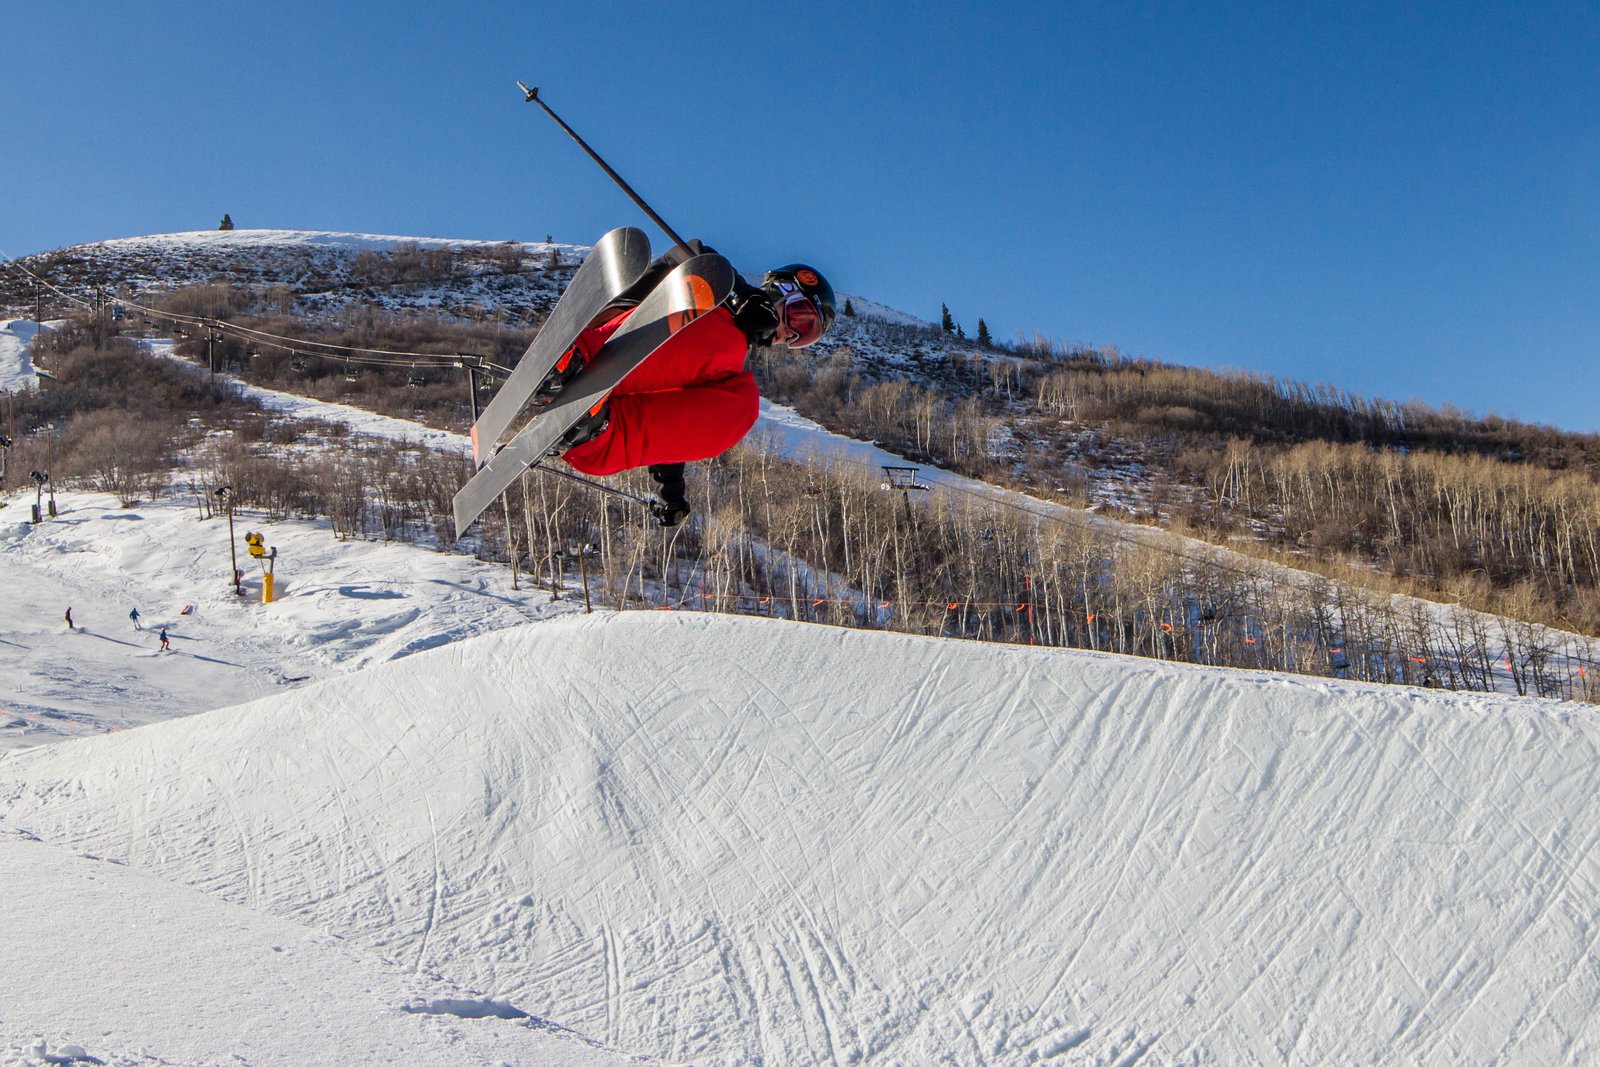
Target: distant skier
[(69, 618), (166, 646), (133, 616), (693, 399)]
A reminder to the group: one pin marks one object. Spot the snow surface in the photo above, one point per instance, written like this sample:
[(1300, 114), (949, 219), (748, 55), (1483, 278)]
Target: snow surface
[(116, 966), (735, 840), (338, 607), (16, 368)]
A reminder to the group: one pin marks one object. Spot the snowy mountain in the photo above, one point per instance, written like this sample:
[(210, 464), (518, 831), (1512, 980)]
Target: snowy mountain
[(512, 280), (327, 270)]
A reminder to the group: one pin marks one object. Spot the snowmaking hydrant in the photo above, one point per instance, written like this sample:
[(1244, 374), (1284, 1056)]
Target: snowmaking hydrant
[(268, 558)]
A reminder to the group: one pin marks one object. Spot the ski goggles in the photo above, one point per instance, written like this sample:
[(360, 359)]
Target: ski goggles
[(799, 313)]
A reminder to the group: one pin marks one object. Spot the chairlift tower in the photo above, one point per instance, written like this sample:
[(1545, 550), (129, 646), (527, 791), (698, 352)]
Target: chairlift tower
[(474, 366), (904, 481)]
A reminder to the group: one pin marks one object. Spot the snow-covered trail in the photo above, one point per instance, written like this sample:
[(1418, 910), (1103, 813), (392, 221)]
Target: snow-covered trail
[(736, 840), (16, 367), (340, 606)]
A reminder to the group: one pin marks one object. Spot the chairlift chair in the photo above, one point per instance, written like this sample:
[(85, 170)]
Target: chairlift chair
[(903, 479)]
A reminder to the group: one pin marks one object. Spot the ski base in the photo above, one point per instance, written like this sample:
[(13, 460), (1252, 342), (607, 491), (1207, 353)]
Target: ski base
[(615, 262), (690, 291)]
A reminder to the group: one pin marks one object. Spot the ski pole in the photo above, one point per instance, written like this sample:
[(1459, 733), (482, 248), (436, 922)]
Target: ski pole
[(604, 488), (532, 97)]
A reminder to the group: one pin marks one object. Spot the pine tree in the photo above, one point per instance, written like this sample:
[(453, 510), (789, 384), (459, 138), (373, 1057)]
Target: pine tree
[(946, 323), (226, 223), (960, 333), (983, 334), (849, 308)]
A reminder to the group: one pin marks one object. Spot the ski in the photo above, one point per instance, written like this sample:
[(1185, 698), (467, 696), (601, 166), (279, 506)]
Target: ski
[(690, 291), (615, 262)]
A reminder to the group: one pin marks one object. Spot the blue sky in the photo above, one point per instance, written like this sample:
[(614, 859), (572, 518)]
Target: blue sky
[(1399, 199)]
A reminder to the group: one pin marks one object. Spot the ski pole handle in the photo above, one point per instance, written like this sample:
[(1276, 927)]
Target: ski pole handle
[(531, 96)]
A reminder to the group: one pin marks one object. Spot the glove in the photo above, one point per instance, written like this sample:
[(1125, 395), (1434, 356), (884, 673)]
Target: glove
[(755, 316), (673, 505)]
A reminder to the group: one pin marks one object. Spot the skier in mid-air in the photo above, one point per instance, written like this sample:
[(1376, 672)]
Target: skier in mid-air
[(693, 399), (668, 341)]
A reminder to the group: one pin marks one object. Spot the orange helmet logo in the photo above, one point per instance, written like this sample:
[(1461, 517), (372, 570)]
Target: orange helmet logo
[(806, 277)]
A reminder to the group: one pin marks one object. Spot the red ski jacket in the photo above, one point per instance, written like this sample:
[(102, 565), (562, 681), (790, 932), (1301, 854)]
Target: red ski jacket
[(691, 400)]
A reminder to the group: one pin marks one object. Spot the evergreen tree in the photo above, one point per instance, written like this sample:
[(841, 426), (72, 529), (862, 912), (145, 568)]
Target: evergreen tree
[(849, 308), (226, 223), (946, 323), (983, 334), (960, 333)]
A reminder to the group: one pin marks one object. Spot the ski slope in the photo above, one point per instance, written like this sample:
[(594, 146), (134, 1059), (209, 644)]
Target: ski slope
[(340, 605), (731, 840), (116, 964), (16, 366)]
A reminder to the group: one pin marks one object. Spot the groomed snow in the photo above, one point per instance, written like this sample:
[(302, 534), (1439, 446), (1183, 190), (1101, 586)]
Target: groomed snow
[(340, 605), (16, 367), (727, 840), (113, 966)]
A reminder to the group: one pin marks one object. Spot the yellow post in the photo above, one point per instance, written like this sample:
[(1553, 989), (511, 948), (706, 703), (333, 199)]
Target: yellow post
[(266, 588)]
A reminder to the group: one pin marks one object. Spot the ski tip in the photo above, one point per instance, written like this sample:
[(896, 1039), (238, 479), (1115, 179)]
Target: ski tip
[(464, 515)]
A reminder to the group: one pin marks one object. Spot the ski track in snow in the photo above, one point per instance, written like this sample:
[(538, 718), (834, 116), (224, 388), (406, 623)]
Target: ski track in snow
[(714, 839), (187, 978)]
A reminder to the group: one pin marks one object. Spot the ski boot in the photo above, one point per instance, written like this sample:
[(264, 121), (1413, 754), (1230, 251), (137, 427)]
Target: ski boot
[(672, 504), (586, 429), (567, 367)]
